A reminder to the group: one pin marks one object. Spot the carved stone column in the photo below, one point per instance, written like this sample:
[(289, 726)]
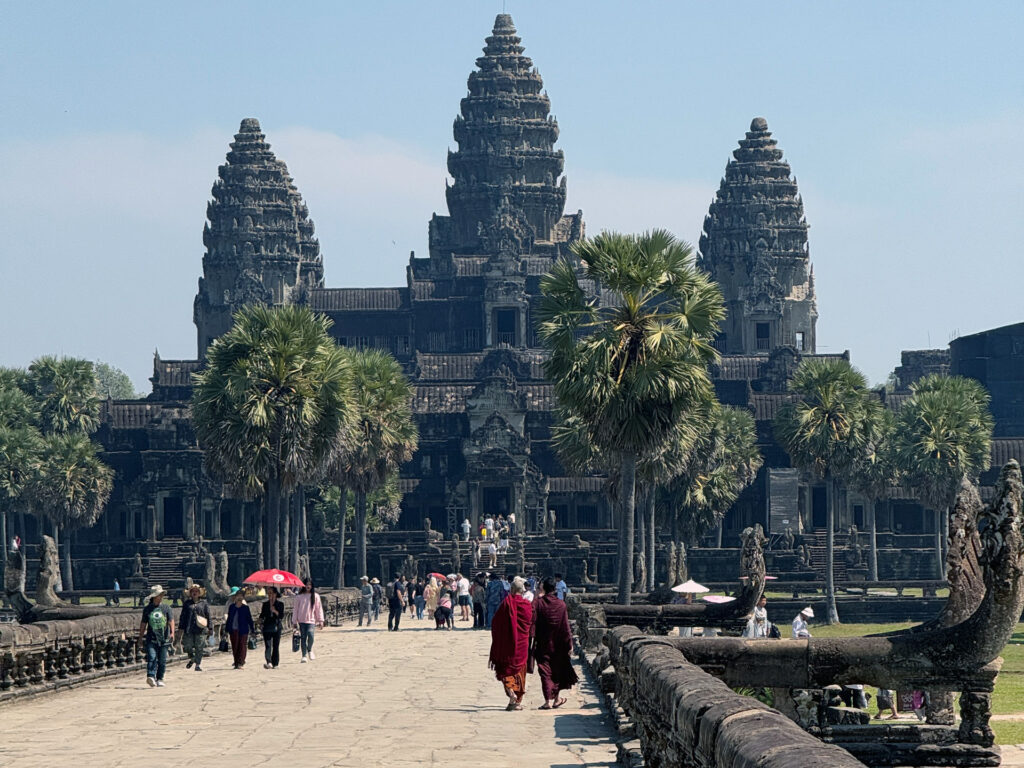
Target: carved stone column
[(975, 711)]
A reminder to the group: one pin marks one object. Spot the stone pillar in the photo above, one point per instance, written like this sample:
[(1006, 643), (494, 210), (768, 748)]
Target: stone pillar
[(151, 522), (474, 503), (191, 527)]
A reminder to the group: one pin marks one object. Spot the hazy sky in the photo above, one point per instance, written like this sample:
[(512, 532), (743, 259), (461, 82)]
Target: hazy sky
[(901, 122)]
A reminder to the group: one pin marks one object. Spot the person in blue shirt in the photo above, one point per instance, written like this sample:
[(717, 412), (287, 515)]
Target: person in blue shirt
[(561, 588), (496, 592)]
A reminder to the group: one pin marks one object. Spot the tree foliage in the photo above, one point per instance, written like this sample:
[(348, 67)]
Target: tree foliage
[(114, 383)]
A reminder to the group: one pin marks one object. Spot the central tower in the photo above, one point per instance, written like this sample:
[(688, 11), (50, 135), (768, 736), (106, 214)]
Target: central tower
[(506, 160)]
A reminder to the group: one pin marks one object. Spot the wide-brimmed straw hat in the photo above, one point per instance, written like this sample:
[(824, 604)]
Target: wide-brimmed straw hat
[(808, 612), (375, 580), (156, 592)]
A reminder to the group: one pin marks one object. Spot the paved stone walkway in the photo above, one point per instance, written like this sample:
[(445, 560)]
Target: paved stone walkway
[(372, 698)]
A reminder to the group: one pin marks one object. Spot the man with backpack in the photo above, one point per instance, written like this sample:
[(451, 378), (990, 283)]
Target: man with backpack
[(156, 631), (195, 624), (378, 596)]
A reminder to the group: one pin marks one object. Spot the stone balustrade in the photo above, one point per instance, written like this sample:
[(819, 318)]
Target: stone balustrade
[(678, 715)]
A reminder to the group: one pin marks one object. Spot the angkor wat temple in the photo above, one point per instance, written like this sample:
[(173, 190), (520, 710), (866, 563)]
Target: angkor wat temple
[(462, 325)]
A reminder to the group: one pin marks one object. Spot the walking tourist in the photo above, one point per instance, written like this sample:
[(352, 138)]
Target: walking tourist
[(308, 613), (430, 597), (117, 593), (365, 601), (800, 628), (510, 644), (240, 625), (552, 645), (410, 597), (886, 700), (495, 594), (561, 588), (396, 603), (378, 596), (492, 554), (194, 622), (466, 528), (477, 544), (157, 631), (443, 612), (478, 593), (271, 623), (420, 599), (512, 524), (462, 586)]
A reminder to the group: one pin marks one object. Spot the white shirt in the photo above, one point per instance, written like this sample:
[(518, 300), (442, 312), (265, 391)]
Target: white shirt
[(800, 627), (528, 596), (491, 548), (756, 628), (463, 587)]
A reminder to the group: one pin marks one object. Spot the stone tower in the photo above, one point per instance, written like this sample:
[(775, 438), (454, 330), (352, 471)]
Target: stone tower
[(754, 245), (505, 161), (260, 246)]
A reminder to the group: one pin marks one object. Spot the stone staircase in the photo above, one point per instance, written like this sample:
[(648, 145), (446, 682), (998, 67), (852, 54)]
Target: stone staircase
[(165, 563)]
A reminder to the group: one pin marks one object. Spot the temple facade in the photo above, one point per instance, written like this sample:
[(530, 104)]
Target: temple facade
[(462, 325)]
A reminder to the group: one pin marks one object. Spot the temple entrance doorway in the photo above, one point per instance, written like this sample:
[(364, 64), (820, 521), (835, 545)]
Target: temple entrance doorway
[(174, 518), (496, 500)]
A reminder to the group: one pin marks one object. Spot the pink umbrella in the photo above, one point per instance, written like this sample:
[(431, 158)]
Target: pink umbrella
[(717, 599), (272, 577)]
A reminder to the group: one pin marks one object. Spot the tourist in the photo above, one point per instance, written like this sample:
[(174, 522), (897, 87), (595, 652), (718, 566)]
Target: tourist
[(462, 588), (886, 700), (492, 554), (495, 594), (378, 596), (552, 645), (853, 696), (421, 601), (466, 528), (396, 603), (157, 631), (239, 625), (478, 593), (512, 524), (529, 594), (510, 644), (410, 597), (561, 588), (430, 596), (919, 703), (477, 544), (117, 593), (271, 623), (503, 538), (194, 622), (757, 626), (308, 614), (488, 527), (443, 612), (800, 629), (365, 601)]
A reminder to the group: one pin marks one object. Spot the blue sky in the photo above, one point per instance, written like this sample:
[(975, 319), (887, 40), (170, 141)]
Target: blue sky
[(900, 121)]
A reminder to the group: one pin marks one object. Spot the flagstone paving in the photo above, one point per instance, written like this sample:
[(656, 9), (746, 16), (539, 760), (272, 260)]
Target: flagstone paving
[(417, 697)]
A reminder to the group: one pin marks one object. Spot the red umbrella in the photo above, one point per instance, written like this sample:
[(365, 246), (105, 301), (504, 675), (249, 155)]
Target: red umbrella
[(438, 576), (272, 577)]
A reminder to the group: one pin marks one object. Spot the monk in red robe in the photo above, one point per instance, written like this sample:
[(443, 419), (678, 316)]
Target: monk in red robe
[(510, 643), (552, 645)]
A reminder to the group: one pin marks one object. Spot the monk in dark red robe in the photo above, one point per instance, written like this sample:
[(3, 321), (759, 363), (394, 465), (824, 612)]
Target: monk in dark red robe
[(510, 643), (552, 645)]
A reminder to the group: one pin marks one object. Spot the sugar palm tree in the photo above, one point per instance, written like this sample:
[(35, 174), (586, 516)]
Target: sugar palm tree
[(65, 389), (273, 407), (384, 436), (943, 435), (723, 460), (823, 432), (874, 471), (72, 486), (20, 457), (632, 368)]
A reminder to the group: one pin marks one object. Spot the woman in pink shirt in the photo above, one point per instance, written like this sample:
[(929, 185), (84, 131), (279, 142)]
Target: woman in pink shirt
[(307, 612)]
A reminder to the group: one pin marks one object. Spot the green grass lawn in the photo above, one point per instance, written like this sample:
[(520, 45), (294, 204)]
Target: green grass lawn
[(1009, 694)]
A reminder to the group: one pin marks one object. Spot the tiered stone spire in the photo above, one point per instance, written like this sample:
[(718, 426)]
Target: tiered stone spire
[(754, 245), (260, 245), (506, 157)]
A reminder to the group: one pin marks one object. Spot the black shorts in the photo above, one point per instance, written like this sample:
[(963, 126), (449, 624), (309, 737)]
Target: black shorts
[(463, 599)]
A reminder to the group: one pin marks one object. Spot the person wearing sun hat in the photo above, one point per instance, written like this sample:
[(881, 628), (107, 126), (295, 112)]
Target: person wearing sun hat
[(800, 629), (156, 631)]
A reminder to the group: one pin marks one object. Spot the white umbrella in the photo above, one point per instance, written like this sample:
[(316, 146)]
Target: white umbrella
[(718, 599), (690, 586)]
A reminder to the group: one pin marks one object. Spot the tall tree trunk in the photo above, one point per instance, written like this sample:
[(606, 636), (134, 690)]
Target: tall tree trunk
[(873, 541), (651, 581), (945, 538), (304, 524), (3, 539), (617, 511), (832, 613), (940, 561), (56, 543), (361, 533), (628, 494), (274, 524), (261, 546), (69, 575), (343, 501), (293, 532), (641, 526)]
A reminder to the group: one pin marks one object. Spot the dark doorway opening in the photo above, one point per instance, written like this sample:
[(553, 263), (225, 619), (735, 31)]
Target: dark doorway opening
[(174, 522), (819, 510), (496, 501), (505, 326), (763, 332)]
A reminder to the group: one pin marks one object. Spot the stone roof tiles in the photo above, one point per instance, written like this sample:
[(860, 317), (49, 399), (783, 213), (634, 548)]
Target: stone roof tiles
[(342, 299)]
